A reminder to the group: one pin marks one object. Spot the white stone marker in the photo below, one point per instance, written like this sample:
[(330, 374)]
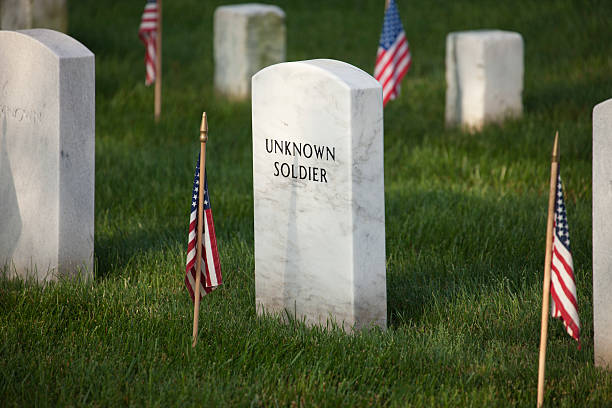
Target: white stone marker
[(318, 187), (602, 232), (247, 38), (484, 77), (46, 154), (21, 14)]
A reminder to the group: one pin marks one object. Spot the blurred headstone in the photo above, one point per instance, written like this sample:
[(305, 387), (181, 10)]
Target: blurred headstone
[(484, 77), (247, 38), (602, 233), (318, 187), (23, 14), (47, 147)]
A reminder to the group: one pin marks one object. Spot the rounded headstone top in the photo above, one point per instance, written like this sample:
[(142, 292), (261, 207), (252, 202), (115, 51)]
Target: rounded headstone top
[(249, 9), (605, 106), (486, 34), (346, 74), (60, 44)]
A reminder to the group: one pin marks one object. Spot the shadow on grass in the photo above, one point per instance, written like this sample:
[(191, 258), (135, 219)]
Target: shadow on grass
[(568, 100), (115, 252), (448, 243)]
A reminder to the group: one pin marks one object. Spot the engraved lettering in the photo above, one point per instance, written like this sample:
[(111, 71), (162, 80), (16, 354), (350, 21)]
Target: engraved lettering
[(305, 150), (278, 146), (319, 151), (307, 155), (20, 114), (284, 167)]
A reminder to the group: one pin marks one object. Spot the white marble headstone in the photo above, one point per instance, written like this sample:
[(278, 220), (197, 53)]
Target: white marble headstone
[(22, 14), (46, 155), (247, 38), (484, 77), (602, 232), (319, 194)]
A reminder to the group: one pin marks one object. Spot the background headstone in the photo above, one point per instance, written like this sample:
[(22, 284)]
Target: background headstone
[(46, 154), (318, 187), (602, 232), (21, 14), (15, 14), (247, 38), (484, 77)]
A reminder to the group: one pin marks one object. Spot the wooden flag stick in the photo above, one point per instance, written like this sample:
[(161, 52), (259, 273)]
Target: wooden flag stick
[(386, 4), (196, 303), (158, 63), (554, 168)]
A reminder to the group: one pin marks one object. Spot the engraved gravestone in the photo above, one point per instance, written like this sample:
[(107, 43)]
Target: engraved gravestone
[(602, 233), (46, 155), (247, 38), (484, 77), (318, 187)]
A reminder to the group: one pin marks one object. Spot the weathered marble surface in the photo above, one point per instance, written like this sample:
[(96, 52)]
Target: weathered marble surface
[(247, 38), (47, 147), (319, 193), (23, 14), (602, 233), (484, 77)]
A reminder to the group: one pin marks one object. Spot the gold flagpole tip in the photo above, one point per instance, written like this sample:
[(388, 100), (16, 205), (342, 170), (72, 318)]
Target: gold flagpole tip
[(555, 153), (204, 129)]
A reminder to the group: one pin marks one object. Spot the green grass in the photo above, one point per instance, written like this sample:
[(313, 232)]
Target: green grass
[(465, 226)]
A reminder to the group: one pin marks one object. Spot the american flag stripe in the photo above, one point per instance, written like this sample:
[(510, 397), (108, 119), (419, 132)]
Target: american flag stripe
[(191, 251), (212, 256), (563, 270), (567, 313), (209, 264), (390, 77), (563, 280), (391, 88), (564, 303), (150, 12), (150, 63), (393, 58), (396, 72), (210, 268), (191, 278), (384, 59), (205, 283), (564, 297), (148, 35)]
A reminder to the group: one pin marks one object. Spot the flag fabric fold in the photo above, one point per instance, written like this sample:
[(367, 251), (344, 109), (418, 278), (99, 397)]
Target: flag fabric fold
[(564, 303), (393, 58), (148, 35), (210, 271)]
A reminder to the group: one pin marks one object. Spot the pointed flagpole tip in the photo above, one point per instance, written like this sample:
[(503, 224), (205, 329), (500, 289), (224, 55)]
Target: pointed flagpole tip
[(555, 153), (204, 129)]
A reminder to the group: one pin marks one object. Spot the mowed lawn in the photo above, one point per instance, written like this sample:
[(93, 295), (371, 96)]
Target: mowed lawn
[(465, 227)]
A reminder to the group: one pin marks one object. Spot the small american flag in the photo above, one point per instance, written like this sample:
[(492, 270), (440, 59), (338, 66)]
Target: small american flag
[(211, 270), (563, 285), (148, 35), (393, 58)]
